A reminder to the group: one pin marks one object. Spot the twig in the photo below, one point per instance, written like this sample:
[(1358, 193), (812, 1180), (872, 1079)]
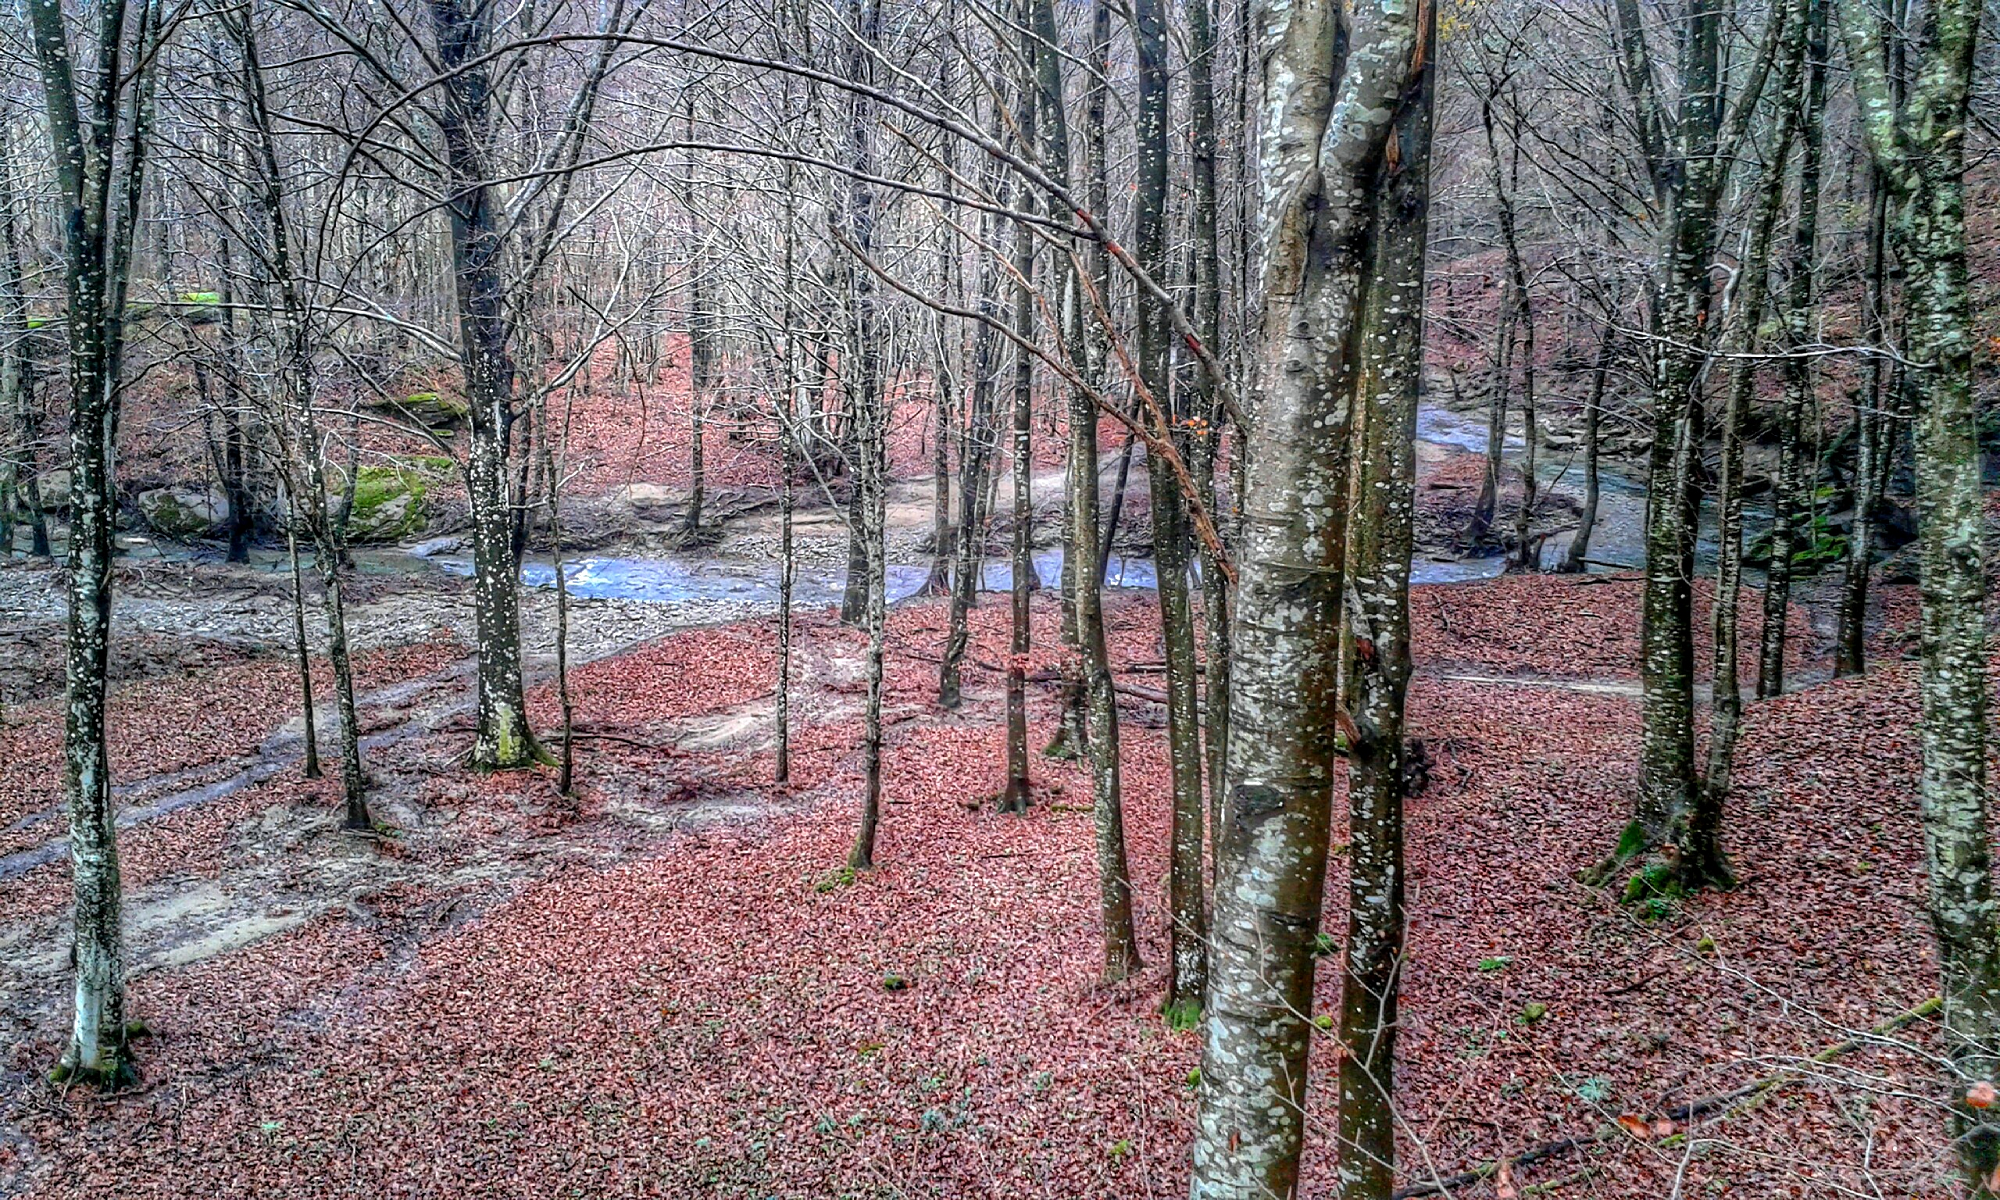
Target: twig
[(1731, 1103)]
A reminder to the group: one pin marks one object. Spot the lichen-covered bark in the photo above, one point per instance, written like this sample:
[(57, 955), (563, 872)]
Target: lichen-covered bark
[(1689, 156), (502, 738), (1378, 574), (1171, 543), (1792, 492), (100, 190), (1328, 120), (1919, 146), (1874, 445)]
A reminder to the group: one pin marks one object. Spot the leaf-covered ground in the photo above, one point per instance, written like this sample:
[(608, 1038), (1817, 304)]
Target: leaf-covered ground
[(668, 986)]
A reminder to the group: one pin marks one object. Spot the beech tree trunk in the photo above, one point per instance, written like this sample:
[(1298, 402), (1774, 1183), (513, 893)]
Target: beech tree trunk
[(1689, 155), (1575, 558), (871, 418), (1318, 188), (1792, 490), (1187, 977), (1875, 444), (1919, 146), (1206, 446), (100, 184), (502, 738), (293, 380), (1379, 545)]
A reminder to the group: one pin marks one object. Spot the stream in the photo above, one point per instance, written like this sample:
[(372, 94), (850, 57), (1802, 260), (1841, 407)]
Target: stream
[(754, 584)]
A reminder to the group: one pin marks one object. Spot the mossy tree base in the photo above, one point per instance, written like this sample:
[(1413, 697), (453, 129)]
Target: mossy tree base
[(1659, 870)]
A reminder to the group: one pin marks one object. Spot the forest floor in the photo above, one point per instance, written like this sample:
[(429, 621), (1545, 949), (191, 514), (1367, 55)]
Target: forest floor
[(669, 986)]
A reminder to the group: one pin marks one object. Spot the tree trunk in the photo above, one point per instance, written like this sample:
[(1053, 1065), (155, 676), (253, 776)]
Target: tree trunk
[(1207, 444), (1187, 978), (502, 738), (1919, 146), (1593, 421), (1378, 566), (701, 348), (311, 768), (976, 446), (1318, 185), (100, 192), (1014, 797), (871, 434), (1875, 441), (1791, 493), (294, 379)]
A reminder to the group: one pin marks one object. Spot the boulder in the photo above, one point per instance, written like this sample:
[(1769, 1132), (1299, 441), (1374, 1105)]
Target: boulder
[(54, 487), (646, 499), (182, 513), (388, 502), (434, 409)]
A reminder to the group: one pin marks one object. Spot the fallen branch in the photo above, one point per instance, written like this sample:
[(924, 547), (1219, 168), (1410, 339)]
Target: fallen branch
[(1732, 1102)]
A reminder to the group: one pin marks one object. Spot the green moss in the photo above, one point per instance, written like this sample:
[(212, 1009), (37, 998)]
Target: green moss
[(388, 505), (1632, 840), (1533, 1013), (1182, 1015), (834, 880)]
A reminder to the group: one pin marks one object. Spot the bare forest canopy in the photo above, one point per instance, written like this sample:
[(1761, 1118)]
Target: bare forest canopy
[(1231, 598)]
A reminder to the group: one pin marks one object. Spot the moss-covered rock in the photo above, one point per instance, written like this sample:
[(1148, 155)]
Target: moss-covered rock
[(389, 500), (182, 513), (434, 409)]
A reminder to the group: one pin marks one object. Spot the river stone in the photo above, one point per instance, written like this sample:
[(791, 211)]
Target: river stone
[(182, 513), (388, 504)]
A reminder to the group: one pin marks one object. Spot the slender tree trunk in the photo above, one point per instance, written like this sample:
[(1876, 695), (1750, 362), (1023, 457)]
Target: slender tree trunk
[(1378, 565), (1187, 979), (1688, 175), (871, 434), (294, 378), (1015, 796), (788, 414), (1874, 442), (311, 769), (701, 348), (1575, 559), (975, 456), (1488, 503), (16, 404), (502, 738), (1092, 667), (1791, 491), (100, 188), (1207, 445)]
